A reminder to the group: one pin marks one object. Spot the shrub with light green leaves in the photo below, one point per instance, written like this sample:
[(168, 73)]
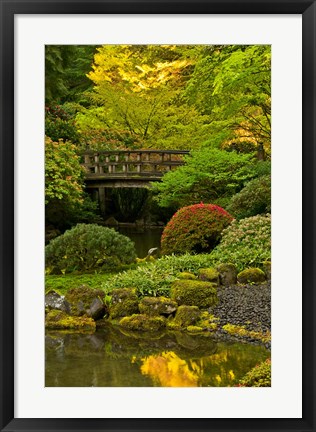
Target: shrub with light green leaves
[(246, 243), (253, 199), (88, 247)]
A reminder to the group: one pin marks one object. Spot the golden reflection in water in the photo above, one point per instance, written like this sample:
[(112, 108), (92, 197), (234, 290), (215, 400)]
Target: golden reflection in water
[(169, 370)]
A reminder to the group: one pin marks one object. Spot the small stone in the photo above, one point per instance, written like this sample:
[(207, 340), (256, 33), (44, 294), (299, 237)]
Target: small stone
[(227, 274)]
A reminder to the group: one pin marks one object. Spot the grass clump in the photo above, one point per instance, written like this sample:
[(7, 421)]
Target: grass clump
[(155, 278)]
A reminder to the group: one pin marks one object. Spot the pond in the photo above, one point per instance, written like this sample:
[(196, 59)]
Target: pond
[(112, 357), (144, 238)]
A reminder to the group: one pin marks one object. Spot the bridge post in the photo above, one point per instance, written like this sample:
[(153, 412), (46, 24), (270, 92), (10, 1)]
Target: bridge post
[(102, 199)]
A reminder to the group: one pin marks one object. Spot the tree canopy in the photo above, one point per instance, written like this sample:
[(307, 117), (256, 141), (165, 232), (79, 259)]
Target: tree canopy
[(214, 100)]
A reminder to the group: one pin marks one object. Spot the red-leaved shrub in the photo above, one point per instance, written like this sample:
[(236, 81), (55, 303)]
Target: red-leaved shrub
[(196, 228)]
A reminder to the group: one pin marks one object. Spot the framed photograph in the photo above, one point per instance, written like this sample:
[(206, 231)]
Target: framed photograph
[(155, 159)]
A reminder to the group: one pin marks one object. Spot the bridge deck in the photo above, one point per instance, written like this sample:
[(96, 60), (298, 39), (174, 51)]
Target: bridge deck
[(129, 168)]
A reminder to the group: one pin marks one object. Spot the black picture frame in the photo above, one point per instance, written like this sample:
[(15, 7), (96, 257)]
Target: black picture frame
[(7, 12)]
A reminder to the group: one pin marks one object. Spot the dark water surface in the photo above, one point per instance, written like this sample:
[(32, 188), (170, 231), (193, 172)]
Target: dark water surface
[(112, 357), (144, 238)]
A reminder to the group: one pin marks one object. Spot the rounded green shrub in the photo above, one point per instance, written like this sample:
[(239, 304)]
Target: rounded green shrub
[(88, 247), (246, 243), (196, 228), (253, 199)]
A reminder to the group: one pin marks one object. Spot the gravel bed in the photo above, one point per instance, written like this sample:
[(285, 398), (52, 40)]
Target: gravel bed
[(247, 305)]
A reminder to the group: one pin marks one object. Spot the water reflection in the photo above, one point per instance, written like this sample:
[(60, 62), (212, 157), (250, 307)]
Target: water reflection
[(115, 358)]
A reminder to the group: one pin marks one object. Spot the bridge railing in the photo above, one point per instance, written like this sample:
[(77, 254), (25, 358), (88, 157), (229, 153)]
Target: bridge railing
[(130, 163)]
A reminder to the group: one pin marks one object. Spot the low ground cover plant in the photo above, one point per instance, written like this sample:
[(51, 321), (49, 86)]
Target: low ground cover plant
[(259, 376), (246, 243)]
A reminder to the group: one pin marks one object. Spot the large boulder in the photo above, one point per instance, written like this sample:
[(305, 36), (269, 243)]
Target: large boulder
[(157, 306), (142, 322), (194, 293), (86, 301), (59, 320), (251, 275), (124, 302), (53, 300), (227, 274)]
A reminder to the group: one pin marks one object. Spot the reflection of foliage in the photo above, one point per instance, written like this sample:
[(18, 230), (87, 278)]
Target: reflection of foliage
[(221, 369), (113, 358), (169, 370)]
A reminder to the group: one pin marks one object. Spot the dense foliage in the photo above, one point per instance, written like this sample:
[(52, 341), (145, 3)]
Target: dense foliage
[(60, 124), (208, 174), (63, 172), (195, 228), (246, 243), (253, 199), (65, 200), (259, 376), (88, 247)]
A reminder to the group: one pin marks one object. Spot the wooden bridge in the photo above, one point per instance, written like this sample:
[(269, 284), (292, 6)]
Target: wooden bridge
[(129, 168)]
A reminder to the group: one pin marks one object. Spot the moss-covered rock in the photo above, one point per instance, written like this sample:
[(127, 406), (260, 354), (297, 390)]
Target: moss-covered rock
[(124, 302), (227, 274), (186, 275), (209, 275), (186, 316), (267, 269), (59, 320), (157, 306), (208, 321), (86, 301), (241, 332), (53, 300), (194, 329), (194, 293), (143, 322), (251, 275)]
